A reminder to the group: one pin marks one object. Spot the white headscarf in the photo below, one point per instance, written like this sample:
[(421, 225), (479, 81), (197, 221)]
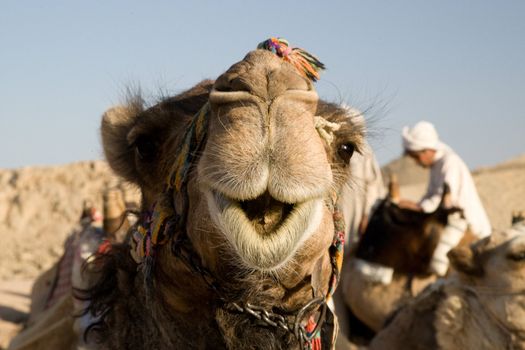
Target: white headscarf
[(421, 136)]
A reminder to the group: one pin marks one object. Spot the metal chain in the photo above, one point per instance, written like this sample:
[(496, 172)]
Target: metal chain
[(278, 321), (268, 318)]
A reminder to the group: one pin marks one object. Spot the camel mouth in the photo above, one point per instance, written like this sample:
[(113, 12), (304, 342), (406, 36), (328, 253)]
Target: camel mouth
[(266, 213), (264, 232)]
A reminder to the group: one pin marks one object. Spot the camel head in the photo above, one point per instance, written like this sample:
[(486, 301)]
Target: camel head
[(260, 187), (497, 261), (493, 271), (239, 179)]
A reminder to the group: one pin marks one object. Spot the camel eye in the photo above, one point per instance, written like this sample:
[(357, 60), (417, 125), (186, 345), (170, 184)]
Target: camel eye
[(146, 148), (346, 151)]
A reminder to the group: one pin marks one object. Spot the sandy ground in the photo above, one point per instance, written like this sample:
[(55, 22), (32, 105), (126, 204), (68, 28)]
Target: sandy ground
[(14, 306), (39, 207)]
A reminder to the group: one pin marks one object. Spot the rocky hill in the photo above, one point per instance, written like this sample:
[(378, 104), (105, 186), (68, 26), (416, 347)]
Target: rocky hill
[(39, 206)]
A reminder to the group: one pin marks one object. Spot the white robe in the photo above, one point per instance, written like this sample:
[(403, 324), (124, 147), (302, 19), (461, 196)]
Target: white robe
[(358, 197), (362, 192), (448, 167)]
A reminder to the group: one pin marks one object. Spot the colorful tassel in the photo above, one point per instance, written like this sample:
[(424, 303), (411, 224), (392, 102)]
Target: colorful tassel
[(307, 64), (315, 343)]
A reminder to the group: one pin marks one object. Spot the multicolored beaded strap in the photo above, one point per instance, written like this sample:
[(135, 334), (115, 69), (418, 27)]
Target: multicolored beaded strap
[(153, 230), (192, 141), (336, 250), (306, 63), (157, 225), (336, 260)]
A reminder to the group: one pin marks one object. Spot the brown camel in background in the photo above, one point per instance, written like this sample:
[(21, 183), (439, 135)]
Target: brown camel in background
[(390, 264)]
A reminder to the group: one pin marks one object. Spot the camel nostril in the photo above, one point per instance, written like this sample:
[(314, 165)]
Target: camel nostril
[(232, 85), (266, 213)]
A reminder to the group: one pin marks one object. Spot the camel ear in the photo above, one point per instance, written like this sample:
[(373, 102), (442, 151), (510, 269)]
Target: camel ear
[(463, 260), (518, 216), (446, 199), (393, 188), (115, 127)]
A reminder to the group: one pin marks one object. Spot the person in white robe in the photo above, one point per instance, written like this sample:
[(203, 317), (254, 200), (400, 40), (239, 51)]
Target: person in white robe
[(421, 142)]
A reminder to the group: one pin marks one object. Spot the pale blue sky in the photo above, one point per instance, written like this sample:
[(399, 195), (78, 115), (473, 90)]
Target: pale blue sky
[(458, 64)]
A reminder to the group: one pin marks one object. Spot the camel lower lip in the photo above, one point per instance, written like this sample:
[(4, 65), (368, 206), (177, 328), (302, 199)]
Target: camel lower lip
[(274, 249)]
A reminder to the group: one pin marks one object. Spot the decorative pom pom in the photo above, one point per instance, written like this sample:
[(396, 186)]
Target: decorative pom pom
[(306, 63)]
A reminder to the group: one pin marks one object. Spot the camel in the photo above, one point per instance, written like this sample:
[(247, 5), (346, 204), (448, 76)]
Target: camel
[(390, 264), (480, 306), (55, 319), (518, 216), (239, 243)]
